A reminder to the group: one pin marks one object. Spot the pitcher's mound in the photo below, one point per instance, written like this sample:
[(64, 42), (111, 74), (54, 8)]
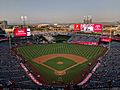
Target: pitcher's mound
[(60, 63)]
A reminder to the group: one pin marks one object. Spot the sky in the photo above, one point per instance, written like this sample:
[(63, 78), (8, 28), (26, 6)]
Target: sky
[(59, 11)]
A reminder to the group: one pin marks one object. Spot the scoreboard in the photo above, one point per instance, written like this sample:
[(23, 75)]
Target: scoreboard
[(21, 32), (88, 27)]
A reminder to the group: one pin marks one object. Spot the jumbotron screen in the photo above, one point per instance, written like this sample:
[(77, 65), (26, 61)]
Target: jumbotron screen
[(20, 32), (88, 27)]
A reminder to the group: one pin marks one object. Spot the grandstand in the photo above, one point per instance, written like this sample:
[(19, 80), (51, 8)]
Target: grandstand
[(34, 39), (108, 74), (13, 76), (84, 39), (3, 36)]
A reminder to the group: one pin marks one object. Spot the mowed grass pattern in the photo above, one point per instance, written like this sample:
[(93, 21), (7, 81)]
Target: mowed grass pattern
[(66, 63), (34, 51), (86, 51)]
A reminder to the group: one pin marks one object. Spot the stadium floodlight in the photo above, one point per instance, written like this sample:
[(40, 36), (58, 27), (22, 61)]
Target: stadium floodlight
[(84, 20), (24, 18), (87, 19), (90, 19)]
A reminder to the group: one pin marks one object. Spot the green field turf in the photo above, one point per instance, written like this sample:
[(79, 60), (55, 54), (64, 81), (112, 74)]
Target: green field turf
[(53, 63), (86, 51)]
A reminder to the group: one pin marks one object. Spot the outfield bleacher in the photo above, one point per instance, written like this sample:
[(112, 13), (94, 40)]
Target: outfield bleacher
[(84, 39)]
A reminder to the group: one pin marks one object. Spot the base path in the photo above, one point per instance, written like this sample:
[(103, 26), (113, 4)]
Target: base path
[(77, 59), (44, 58)]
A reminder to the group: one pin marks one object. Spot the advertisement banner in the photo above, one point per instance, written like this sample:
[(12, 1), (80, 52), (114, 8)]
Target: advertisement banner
[(105, 39), (97, 27), (86, 43), (28, 32), (77, 27), (87, 27), (19, 32)]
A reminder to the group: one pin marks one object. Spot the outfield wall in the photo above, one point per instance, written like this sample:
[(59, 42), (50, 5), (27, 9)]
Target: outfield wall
[(86, 43)]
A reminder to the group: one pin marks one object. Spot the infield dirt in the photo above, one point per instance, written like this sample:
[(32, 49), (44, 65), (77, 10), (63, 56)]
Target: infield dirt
[(77, 59), (44, 58)]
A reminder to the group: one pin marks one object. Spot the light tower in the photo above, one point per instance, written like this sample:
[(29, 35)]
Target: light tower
[(24, 18), (87, 19), (90, 19)]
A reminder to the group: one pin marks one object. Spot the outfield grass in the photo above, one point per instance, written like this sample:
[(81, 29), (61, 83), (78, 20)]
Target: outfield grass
[(66, 63), (86, 51), (34, 51)]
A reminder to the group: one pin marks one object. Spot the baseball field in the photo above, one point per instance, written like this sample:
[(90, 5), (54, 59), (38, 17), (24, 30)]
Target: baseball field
[(60, 63)]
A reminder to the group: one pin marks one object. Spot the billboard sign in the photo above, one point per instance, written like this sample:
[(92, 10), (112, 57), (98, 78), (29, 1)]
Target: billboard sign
[(20, 32), (86, 43), (77, 27), (28, 32), (88, 27), (105, 39), (97, 27)]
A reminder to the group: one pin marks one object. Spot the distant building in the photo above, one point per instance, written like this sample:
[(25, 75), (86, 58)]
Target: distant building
[(63, 29), (3, 25), (42, 25), (71, 27), (117, 32), (60, 27)]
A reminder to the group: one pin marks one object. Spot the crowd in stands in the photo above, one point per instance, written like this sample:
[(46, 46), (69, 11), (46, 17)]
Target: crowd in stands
[(36, 39), (53, 33), (2, 31), (48, 37), (108, 74), (84, 38), (11, 74), (3, 36), (115, 44)]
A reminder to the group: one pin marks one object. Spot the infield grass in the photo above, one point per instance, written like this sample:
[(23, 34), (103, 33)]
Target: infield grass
[(66, 63)]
